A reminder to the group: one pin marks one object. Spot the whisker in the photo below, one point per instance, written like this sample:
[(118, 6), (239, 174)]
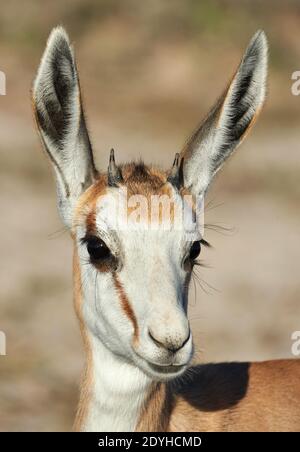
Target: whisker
[(210, 205), (218, 227), (58, 233), (96, 292), (200, 263), (204, 284)]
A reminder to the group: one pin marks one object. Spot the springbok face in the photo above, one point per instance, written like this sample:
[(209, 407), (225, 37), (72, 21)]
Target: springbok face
[(136, 229)]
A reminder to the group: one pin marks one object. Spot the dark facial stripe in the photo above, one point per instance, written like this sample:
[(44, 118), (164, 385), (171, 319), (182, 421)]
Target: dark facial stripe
[(126, 305), (91, 222)]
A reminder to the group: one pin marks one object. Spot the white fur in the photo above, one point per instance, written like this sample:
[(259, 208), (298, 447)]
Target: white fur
[(121, 370), (119, 391), (160, 308)]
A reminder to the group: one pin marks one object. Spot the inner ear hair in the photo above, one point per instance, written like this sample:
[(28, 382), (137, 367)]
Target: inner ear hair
[(61, 122), (229, 120)]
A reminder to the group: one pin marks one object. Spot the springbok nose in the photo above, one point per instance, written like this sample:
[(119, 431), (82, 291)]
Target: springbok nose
[(171, 344)]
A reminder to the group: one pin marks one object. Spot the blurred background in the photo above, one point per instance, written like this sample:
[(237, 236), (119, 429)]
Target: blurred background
[(149, 72)]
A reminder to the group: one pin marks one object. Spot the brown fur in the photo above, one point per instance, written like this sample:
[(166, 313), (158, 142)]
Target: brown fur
[(155, 414), (126, 306), (144, 180), (236, 397), (86, 206), (139, 179)]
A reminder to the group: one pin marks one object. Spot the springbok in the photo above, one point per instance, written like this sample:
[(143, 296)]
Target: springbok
[(131, 280)]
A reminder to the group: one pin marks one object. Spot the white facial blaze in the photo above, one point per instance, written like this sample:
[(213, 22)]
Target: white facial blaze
[(151, 274)]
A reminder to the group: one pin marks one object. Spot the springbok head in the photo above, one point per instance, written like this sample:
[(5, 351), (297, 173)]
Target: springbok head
[(133, 270)]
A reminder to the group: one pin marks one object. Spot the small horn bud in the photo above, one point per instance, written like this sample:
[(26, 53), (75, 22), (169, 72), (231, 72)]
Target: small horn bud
[(176, 174), (114, 173)]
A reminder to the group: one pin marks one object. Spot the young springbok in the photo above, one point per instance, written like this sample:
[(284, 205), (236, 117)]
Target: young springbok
[(131, 279)]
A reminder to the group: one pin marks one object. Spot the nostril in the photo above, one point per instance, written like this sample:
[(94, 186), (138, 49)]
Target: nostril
[(156, 341), (186, 339), (172, 346)]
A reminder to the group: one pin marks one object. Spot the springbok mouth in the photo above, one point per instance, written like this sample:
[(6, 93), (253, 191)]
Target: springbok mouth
[(167, 369), (163, 368)]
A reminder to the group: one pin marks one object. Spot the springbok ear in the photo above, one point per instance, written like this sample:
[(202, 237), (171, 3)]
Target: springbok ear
[(60, 119), (229, 120)]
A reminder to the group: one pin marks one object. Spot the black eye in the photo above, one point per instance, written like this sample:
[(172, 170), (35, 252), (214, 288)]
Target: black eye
[(97, 249), (195, 250)]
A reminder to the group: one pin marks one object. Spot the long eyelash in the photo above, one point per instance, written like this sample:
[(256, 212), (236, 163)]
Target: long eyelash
[(200, 263), (84, 240), (205, 243)]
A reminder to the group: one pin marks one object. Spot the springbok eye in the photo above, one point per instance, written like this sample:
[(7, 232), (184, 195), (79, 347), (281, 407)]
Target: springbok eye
[(195, 250), (97, 249)]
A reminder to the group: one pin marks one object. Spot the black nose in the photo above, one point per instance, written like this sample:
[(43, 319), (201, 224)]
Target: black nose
[(172, 344)]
